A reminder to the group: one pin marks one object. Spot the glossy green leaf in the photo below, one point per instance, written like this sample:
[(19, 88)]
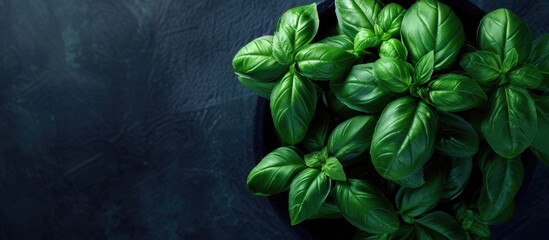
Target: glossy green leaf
[(293, 104), (455, 175), (438, 225), (510, 61), (541, 154), (353, 15), (340, 41), (404, 138), (483, 66), (262, 89), (540, 58), (480, 230), (540, 53), (295, 29), (327, 211), (316, 159), (308, 191), (390, 18), (457, 137), (321, 61), (413, 180), (413, 202), (526, 76), (471, 224), (255, 61), (504, 216), (365, 207), (393, 48), (334, 169), (454, 93), (393, 75), (511, 123), (500, 31), (406, 232), (359, 90), (366, 38), (501, 181), (339, 108), (319, 130), (430, 25), (540, 145), (275, 171), (424, 68), (352, 137)]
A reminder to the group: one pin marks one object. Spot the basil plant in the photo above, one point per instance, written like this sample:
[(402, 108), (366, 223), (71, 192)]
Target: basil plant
[(391, 124)]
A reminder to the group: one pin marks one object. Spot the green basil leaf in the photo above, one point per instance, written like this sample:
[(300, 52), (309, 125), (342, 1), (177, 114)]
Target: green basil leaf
[(295, 29), (506, 215), (262, 89), (457, 137), (511, 123), (510, 61), (541, 141), (393, 48), (339, 108), (340, 41), (393, 75), (438, 225), (275, 171), (483, 66), (430, 25), (353, 15), (454, 93), (327, 211), (406, 232), (293, 104), (319, 130), (361, 235), (316, 159), (526, 76), (540, 58), (424, 68), (308, 191), (480, 230), (501, 181), (390, 18), (541, 154), (460, 211), (500, 31), (540, 53), (455, 174), (366, 38), (383, 36), (352, 137), (334, 169), (365, 207), (413, 202), (404, 138), (255, 61), (413, 180), (470, 223), (359, 90), (321, 61)]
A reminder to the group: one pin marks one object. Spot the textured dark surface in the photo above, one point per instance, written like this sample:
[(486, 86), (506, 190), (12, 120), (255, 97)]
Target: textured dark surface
[(123, 120)]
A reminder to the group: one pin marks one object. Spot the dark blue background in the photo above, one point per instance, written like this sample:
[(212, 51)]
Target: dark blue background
[(123, 120)]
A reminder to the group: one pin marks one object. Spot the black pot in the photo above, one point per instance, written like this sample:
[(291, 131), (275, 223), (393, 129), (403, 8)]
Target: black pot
[(264, 139)]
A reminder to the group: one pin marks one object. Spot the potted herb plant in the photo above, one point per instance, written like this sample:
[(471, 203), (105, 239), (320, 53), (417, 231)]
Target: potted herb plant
[(397, 119)]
